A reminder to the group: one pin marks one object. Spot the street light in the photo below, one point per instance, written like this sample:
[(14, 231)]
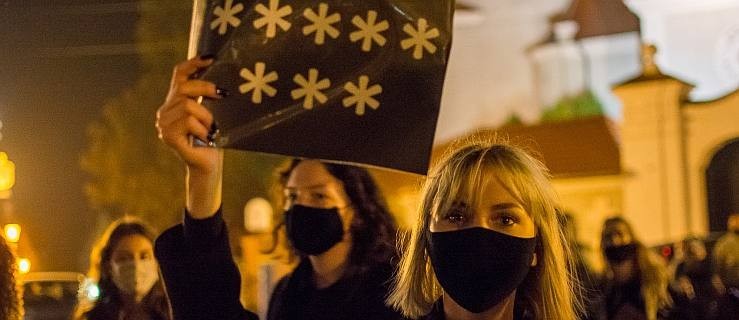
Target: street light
[(257, 215), (12, 232), (7, 173), (24, 265)]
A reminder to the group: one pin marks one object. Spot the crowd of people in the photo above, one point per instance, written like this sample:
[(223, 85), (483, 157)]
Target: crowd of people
[(490, 242)]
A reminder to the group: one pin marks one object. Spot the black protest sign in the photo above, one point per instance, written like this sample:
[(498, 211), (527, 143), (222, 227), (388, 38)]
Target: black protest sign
[(355, 81)]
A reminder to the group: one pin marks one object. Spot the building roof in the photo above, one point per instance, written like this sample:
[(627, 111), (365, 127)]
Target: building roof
[(571, 148), (595, 18), (599, 17)]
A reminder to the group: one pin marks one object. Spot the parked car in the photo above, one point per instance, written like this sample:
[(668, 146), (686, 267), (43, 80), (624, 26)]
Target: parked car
[(51, 295)]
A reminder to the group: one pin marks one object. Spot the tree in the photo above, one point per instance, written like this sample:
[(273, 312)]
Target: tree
[(583, 105), (131, 171)]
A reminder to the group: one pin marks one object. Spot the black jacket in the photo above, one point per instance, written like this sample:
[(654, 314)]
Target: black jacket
[(199, 273), (356, 296), (437, 312)]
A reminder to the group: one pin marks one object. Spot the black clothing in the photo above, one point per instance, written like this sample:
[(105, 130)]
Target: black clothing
[(704, 305), (110, 313), (520, 311), (357, 296), (625, 300), (200, 276)]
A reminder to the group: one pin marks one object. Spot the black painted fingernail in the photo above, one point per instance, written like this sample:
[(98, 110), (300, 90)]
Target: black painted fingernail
[(222, 92), (213, 129), (207, 56), (212, 133)]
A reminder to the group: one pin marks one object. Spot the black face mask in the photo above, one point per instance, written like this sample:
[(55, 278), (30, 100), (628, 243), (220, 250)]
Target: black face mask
[(313, 231), (620, 253), (477, 267)]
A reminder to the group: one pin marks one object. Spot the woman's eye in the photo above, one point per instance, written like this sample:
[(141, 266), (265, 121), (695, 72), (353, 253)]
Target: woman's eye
[(291, 197), (319, 196), (506, 220), (122, 258)]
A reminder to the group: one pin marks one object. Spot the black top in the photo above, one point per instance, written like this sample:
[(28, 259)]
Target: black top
[(199, 273), (356, 296), (520, 311), (136, 313), (625, 301)]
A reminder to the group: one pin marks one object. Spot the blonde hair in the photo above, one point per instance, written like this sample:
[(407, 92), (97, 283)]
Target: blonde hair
[(548, 288)]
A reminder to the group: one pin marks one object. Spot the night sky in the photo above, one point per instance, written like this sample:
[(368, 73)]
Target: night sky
[(60, 64)]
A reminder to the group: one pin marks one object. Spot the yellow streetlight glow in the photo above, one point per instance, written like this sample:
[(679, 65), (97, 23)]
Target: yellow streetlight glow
[(24, 265), (12, 232), (7, 172)]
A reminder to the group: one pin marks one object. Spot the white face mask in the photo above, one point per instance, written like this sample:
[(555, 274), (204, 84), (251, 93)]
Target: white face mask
[(135, 277)]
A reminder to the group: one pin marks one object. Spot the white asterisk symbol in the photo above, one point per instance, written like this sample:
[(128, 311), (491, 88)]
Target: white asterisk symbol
[(310, 88), (369, 30), (258, 82), (362, 95), (322, 24), (419, 38), (226, 16), (273, 17)]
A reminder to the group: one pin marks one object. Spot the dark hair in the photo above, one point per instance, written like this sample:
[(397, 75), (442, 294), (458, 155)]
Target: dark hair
[(612, 221), (109, 301), (9, 301), (373, 227)]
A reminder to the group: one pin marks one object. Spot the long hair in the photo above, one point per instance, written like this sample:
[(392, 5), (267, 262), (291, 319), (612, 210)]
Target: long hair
[(373, 228), (652, 271), (110, 301), (10, 308), (547, 290)]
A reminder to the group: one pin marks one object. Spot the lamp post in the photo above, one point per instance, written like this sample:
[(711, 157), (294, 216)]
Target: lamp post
[(12, 232), (7, 176)]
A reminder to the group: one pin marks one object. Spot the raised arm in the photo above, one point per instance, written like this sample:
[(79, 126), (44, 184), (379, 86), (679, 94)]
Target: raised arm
[(199, 273), (180, 119)]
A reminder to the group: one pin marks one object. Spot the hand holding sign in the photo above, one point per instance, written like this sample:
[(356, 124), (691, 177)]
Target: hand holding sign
[(180, 119)]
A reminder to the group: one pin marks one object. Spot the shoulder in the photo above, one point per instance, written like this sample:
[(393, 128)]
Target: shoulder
[(281, 286), (380, 272), (169, 241), (727, 243)]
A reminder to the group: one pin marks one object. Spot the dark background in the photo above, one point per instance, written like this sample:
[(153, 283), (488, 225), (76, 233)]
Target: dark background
[(60, 64)]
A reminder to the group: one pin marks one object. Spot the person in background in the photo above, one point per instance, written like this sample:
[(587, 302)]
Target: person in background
[(10, 308), (127, 274), (693, 284), (487, 244), (636, 279), (726, 264), (590, 281)]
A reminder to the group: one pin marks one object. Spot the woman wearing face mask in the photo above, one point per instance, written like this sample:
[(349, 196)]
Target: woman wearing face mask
[(334, 218), (636, 278), (487, 244), (127, 275), (336, 221)]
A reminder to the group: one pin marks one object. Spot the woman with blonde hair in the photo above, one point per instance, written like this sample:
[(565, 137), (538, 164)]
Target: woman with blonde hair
[(636, 278), (487, 244)]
